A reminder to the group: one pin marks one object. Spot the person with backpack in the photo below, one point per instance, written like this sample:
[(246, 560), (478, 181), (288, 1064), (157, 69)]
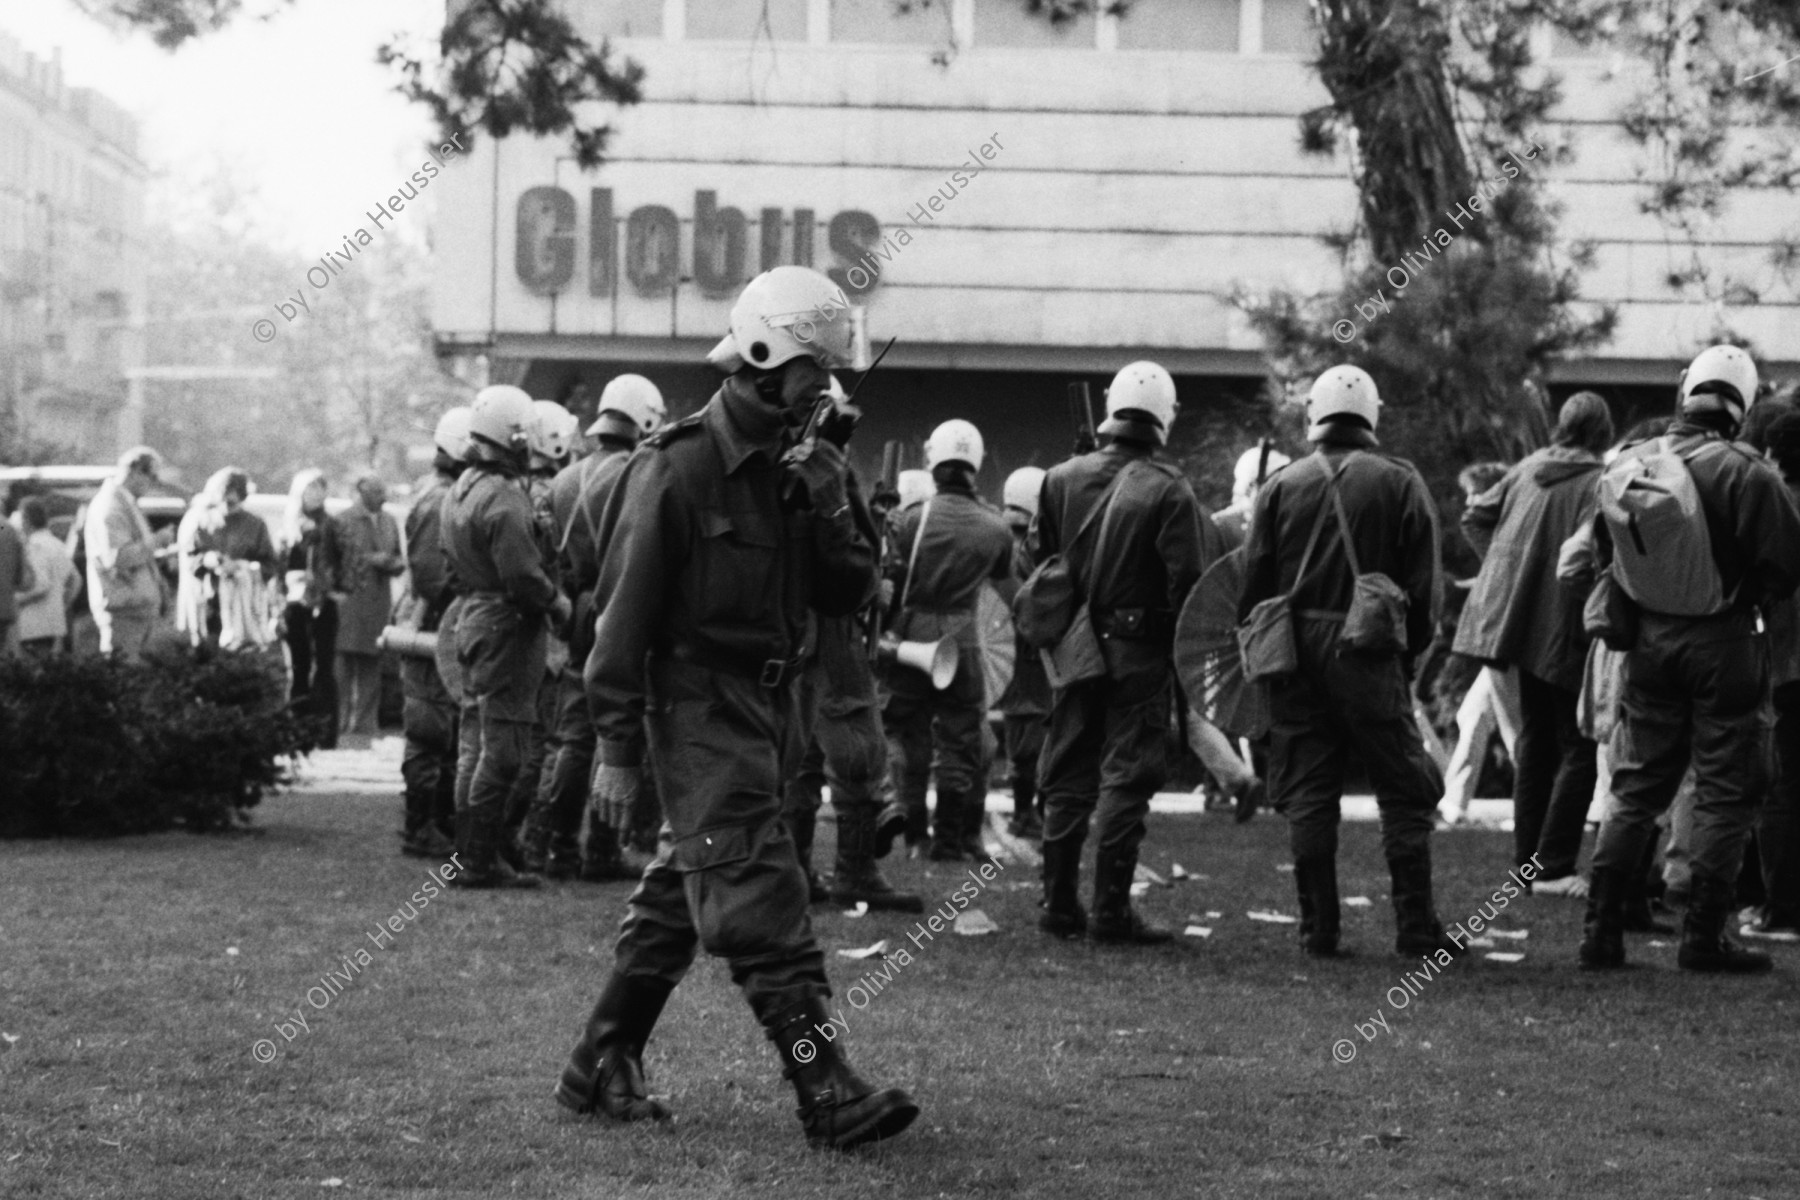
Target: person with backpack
[(1134, 540), (938, 558), (1343, 562), (1695, 538), (1519, 615)]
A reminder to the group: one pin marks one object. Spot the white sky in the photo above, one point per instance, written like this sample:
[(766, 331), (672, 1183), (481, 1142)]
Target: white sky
[(293, 110)]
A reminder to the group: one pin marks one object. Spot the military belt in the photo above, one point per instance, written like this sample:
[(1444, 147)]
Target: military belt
[(768, 672)]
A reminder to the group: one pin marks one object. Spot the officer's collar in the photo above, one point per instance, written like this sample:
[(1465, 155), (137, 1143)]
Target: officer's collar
[(1344, 435), (744, 424)]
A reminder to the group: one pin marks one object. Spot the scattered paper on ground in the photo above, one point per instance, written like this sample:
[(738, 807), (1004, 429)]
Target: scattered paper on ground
[(1482, 943), (1140, 889), (1146, 875), (973, 922), (1358, 902), (1517, 935), (1285, 868), (1177, 871), (1273, 918), (1213, 916), (875, 951), (1505, 956), (1198, 931), (861, 909)]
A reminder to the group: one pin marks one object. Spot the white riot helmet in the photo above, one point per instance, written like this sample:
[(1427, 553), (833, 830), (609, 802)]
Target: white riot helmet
[(1244, 476), (500, 416), (1022, 489), (1142, 387), (1342, 390), (783, 314), (914, 485), (633, 400), (452, 433), (1719, 376), (954, 441), (551, 430)]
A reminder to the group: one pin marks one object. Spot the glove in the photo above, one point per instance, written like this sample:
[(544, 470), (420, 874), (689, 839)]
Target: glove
[(838, 423), (819, 465), (615, 793)]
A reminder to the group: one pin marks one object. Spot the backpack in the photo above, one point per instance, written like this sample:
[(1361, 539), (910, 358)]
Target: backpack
[(1662, 549)]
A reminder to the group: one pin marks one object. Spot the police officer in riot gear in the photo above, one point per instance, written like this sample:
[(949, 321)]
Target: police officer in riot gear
[(1697, 687), (428, 714), (726, 532), (491, 540), (631, 408), (941, 553), (1106, 752), (1342, 700), (1025, 705)]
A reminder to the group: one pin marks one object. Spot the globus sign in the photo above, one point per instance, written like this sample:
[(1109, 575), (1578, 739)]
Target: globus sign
[(544, 254)]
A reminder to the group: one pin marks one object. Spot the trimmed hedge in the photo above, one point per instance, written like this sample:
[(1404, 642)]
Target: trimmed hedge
[(96, 747)]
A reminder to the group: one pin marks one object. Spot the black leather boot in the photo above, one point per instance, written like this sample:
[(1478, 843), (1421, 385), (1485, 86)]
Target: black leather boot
[(890, 825), (1026, 823), (1417, 930), (857, 878), (1320, 917), (837, 1108), (1063, 914), (1115, 921), (1603, 929), (947, 828), (1704, 946), (486, 867), (534, 838), (605, 1072), (974, 820), (562, 859)]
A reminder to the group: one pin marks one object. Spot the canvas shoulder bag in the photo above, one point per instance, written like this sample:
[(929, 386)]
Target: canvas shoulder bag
[(1044, 608), (1077, 657), (1266, 635), (1376, 622)]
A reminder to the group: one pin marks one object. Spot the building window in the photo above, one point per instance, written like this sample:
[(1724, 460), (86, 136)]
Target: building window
[(1007, 23), (1288, 27), (881, 22), (742, 20), (1180, 25), (623, 18)]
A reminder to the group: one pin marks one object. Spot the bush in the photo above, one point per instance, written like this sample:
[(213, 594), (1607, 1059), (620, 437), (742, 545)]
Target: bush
[(96, 747)]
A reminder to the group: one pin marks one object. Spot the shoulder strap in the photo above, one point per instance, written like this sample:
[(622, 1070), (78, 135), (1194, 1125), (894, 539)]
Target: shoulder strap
[(1337, 502), (1312, 539), (1097, 514), (912, 560)]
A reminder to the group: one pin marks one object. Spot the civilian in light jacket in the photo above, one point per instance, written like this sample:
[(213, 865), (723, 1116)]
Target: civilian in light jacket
[(44, 606), (125, 590)]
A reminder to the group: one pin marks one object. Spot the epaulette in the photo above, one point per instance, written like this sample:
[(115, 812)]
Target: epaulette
[(670, 433)]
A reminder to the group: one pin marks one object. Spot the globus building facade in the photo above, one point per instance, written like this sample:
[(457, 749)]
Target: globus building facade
[(1020, 205)]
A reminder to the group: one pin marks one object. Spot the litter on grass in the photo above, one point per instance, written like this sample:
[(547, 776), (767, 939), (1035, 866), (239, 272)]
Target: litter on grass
[(861, 909), (1517, 935), (876, 951), (1358, 902), (1199, 931), (974, 922), (1177, 871), (1273, 918), (1505, 956)]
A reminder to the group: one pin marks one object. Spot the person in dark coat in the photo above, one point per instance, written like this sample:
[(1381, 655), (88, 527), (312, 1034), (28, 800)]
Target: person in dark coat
[(1344, 701), (1778, 821), (729, 530), (370, 538), (1697, 687), (428, 710), (1106, 752), (313, 559), (1520, 615), (938, 559), (1025, 704)]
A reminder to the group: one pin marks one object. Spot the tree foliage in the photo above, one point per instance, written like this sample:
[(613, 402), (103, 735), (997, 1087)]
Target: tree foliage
[(503, 66)]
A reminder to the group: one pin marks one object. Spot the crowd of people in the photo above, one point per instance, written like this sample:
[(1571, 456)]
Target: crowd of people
[(644, 651)]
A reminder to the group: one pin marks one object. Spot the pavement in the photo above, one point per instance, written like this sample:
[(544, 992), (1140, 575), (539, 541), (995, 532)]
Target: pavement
[(374, 769)]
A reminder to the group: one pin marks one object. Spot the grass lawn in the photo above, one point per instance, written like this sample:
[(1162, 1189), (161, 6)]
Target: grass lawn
[(1044, 1069)]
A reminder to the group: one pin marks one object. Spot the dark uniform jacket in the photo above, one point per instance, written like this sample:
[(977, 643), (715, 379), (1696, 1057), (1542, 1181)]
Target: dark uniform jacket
[(425, 556), (1142, 559), (1391, 519), (1750, 517), (965, 544), (1027, 693), (578, 497), (1518, 613), (711, 557), (491, 542)]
